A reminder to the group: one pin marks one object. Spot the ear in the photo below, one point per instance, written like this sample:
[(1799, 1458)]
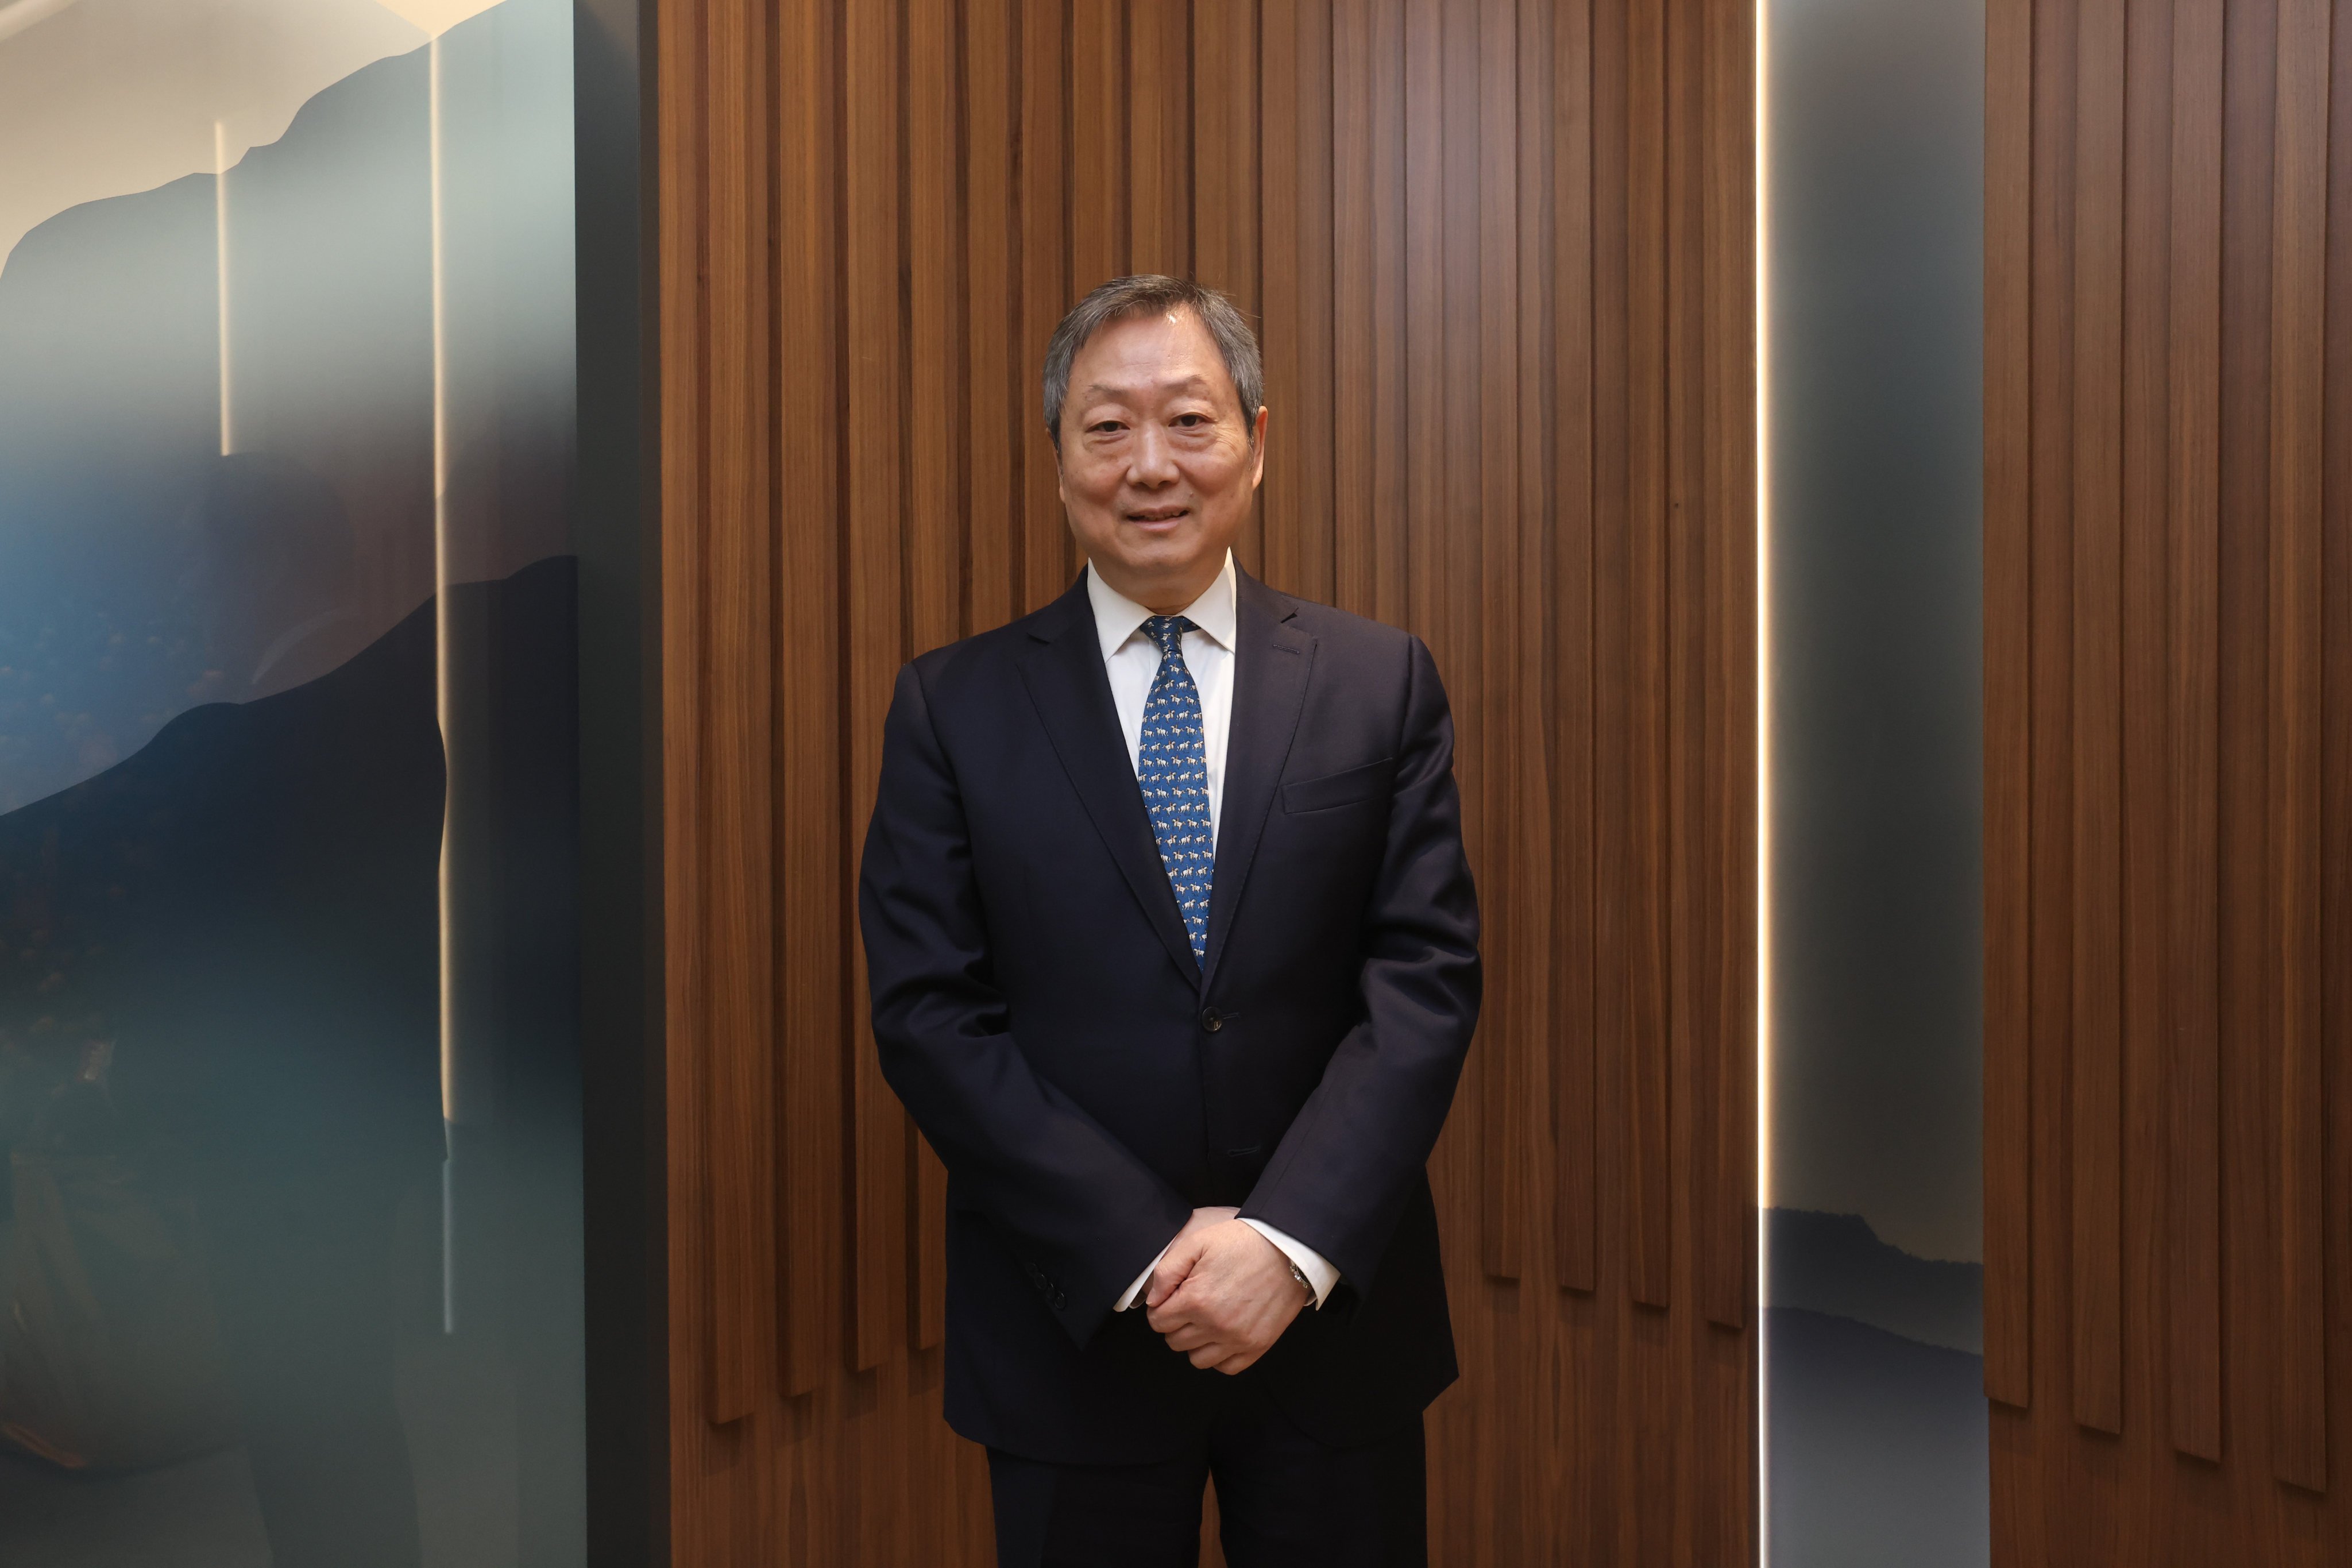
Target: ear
[(1257, 448)]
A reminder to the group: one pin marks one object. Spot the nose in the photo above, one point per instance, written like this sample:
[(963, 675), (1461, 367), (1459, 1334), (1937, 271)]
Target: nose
[(1153, 465)]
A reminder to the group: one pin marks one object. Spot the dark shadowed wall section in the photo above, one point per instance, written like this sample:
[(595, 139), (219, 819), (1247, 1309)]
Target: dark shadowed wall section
[(1874, 1416)]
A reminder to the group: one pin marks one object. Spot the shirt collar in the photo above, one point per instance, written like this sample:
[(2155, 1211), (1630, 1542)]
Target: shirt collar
[(1118, 617)]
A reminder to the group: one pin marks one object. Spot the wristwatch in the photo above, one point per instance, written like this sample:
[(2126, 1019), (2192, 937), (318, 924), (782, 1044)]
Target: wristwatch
[(1300, 1274)]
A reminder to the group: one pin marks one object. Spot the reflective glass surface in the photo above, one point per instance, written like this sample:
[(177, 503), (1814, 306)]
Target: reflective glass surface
[(1875, 1431), (289, 1153)]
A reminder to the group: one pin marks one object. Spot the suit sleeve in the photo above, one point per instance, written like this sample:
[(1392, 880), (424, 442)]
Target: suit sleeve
[(1082, 1213), (1358, 1147)]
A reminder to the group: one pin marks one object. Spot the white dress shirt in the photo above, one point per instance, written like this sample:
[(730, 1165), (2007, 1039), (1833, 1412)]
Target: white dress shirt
[(1132, 661)]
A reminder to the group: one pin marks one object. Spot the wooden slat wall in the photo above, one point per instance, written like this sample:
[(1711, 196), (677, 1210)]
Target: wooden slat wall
[(1502, 252), (2168, 837)]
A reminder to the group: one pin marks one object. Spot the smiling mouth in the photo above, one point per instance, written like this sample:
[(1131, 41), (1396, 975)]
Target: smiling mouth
[(1160, 514)]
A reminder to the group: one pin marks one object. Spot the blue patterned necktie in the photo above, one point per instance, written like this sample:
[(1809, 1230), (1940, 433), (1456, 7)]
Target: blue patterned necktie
[(1173, 764)]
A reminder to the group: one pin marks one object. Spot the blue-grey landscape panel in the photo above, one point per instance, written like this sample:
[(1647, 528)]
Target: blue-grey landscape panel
[(1873, 188), (290, 1232)]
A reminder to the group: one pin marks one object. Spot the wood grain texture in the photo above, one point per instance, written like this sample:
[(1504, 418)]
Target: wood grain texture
[(1646, 755), (1727, 892), (739, 884), (874, 612), (933, 374), (684, 194), (1441, 211), (1498, 610), (2143, 539), (1574, 1023), (2298, 312), (2193, 1170), (2095, 1106), (2168, 1132), (807, 738), (2007, 675)]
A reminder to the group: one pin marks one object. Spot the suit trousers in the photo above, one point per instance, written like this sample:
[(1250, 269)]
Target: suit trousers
[(1283, 1500)]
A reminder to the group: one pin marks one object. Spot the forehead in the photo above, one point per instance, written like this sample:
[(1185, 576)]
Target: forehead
[(1163, 351)]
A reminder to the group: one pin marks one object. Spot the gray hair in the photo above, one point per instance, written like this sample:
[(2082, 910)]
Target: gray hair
[(1149, 294)]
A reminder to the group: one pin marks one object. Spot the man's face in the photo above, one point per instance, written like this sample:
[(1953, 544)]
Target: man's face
[(1159, 462)]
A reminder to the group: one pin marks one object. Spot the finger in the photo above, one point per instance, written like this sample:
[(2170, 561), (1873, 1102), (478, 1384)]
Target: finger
[(1238, 1363), (1168, 1317), (1173, 1268), (1185, 1302), (1190, 1338), (1208, 1356)]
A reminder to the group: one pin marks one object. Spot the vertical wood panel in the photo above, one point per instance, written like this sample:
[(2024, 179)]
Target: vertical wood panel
[(1492, 601), (1044, 188), (1222, 146), (2333, 677), (1689, 1012), (2176, 729), (1312, 430), (808, 724), (1530, 743), (1225, 137), (1395, 407), (874, 616), (1282, 118), (999, 424), (1300, 312), (1574, 1022), (2194, 1162), (2142, 668), (2249, 1085), (2298, 306), (1727, 894), (1354, 432), (1159, 103), (935, 492), (739, 805), (1100, 187), (1412, 598), (2095, 1124), (2008, 415), (1645, 824), (683, 203), (1614, 697)]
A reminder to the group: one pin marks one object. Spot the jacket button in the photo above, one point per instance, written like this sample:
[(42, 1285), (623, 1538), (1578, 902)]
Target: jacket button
[(1212, 1020)]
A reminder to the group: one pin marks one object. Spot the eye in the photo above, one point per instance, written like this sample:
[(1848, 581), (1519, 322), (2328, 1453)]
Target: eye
[(1191, 421), (1106, 426)]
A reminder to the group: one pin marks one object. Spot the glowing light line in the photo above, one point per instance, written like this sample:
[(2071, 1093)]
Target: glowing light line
[(1763, 311)]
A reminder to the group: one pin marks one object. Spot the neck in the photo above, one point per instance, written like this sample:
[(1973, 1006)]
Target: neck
[(1160, 596)]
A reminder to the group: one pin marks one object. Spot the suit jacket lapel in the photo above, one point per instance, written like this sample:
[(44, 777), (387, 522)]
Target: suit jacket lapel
[(1072, 694), (1272, 661)]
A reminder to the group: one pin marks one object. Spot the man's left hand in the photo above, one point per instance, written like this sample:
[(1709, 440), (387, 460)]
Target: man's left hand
[(1236, 1297)]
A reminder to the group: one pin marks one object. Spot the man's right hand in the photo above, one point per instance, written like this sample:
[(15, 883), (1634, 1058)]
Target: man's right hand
[(1176, 1262)]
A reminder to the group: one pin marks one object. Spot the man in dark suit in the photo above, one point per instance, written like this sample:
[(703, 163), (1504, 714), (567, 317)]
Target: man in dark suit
[(1174, 961)]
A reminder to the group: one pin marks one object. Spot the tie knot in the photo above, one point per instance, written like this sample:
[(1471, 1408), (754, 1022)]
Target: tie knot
[(1168, 632)]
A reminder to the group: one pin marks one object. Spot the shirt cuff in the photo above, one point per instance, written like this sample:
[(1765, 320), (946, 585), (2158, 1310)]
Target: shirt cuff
[(1141, 1280), (1320, 1275)]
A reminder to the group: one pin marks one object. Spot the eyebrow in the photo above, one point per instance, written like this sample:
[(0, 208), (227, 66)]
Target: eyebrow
[(1182, 384)]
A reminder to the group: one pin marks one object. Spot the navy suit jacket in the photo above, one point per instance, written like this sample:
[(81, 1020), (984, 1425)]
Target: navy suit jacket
[(1038, 1009)]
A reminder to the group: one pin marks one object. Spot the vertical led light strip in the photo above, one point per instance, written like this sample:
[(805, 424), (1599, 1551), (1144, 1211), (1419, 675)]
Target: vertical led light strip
[(441, 696), (220, 266), (1763, 309)]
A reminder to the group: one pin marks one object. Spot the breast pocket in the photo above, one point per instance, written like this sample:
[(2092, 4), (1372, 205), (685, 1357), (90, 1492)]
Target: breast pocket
[(1350, 786)]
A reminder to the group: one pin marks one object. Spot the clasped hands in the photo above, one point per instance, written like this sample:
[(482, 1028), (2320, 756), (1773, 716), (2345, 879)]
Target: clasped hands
[(1222, 1294)]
